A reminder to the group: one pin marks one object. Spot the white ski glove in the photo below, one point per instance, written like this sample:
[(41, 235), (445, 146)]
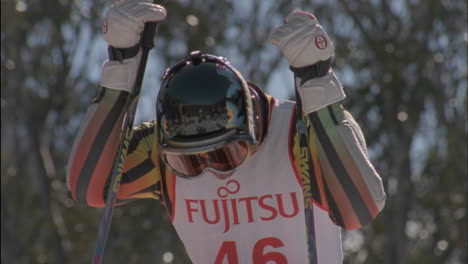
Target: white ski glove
[(122, 28), (304, 42)]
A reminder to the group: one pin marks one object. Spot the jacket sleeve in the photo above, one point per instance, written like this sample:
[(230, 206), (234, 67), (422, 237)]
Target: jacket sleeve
[(95, 147), (345, 182)]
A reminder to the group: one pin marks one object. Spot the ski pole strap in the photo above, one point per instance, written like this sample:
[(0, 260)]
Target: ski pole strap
[(310, 72), (116, 54)]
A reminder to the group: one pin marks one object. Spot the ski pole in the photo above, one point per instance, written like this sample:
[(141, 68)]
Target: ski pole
[(147, 43), (318, 69), (309, 212)]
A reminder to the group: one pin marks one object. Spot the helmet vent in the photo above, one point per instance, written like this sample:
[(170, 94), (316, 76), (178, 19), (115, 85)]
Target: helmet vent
[(196, 57)]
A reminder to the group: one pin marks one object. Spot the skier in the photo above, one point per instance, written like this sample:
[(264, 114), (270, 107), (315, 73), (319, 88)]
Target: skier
[(245, 177)]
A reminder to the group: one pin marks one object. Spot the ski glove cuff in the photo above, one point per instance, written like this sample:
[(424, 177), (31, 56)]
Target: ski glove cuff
[(120, 75), (318, 93)]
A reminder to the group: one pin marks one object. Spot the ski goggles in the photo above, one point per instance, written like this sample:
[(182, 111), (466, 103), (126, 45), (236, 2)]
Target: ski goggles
[(224, 159)]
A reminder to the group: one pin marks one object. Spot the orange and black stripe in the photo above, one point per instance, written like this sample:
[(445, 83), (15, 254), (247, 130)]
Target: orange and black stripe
[(347, 195)]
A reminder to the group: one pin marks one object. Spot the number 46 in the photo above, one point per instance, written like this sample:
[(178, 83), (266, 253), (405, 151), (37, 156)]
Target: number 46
[(228, 249)]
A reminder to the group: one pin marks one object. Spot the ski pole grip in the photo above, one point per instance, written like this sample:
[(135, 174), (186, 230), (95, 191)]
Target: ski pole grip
[(147, 39)]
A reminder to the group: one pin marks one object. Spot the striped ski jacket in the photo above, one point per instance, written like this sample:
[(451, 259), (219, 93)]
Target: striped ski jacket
[(328, 151)]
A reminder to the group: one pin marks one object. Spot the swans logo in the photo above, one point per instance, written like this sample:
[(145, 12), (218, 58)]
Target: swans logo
[(229, 209)]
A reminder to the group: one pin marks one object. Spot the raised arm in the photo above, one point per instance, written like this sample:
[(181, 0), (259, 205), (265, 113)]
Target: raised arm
[(345, 182), (97, 141)]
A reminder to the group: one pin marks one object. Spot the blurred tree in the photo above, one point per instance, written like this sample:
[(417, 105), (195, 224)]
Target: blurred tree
[(43, 95), (403, 64)]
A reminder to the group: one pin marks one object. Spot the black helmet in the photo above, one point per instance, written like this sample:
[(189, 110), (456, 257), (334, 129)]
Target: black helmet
[(203, 103)]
